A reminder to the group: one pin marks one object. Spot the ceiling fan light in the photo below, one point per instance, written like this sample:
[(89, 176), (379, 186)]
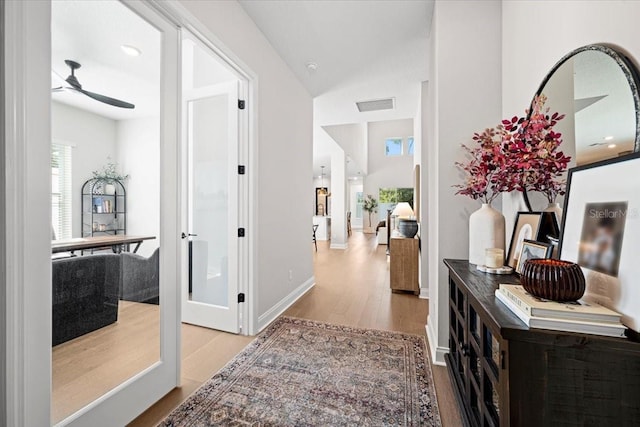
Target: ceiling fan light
[(130, 50)]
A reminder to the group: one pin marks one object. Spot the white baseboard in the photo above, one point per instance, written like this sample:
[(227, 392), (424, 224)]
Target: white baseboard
[(424, 293), (285, 303), (437, 353), (339, 246)]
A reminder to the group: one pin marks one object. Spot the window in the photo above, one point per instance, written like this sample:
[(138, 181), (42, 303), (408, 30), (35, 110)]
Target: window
[(395, 195), (410, 146), (359, 204), (390, 197), (60, 191), (393, 147)]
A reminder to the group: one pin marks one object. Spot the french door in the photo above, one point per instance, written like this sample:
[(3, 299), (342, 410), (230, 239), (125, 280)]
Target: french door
[(125, 401), (210, 287)]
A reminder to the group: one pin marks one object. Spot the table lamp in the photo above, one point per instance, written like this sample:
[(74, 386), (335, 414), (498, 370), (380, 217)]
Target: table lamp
[(407, 226)]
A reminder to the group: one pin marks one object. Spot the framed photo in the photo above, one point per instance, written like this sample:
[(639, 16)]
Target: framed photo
[(536, 226), (601, 232), (532, 249)]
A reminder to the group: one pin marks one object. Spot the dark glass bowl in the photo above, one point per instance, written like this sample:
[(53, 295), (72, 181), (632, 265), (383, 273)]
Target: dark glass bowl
[(553, 279), (408, 227)]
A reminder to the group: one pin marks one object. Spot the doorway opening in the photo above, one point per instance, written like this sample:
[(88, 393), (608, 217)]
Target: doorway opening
[(214, 147)]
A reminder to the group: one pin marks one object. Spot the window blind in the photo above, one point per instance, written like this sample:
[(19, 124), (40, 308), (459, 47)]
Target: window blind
[(61, 191)]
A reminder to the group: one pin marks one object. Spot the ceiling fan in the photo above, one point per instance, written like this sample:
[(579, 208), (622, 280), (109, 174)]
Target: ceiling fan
[(75, 85)]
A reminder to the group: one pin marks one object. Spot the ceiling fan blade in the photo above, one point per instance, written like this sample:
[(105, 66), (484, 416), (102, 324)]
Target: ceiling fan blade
[(57, 78), (106, 99), (57, 89)]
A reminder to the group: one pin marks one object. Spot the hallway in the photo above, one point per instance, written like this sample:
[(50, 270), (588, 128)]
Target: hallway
[(352, 288)]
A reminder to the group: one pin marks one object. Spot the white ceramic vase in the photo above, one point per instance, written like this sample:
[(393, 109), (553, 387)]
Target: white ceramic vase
[(109, 189), (486, 230), (555, 208)]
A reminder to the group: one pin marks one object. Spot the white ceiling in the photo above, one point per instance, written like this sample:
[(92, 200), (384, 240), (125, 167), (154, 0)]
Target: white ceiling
[(364, 50), (344, 38), (91, 33)]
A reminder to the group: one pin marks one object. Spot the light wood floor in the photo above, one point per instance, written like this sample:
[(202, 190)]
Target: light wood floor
[(85, 368), (352, 288)]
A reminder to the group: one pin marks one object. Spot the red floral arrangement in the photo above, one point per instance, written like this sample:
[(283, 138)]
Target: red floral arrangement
[(519, 154), (487, 173), (538, 163)]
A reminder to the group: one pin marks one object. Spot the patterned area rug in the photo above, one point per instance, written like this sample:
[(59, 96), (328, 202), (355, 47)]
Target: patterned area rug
[(305, 373)]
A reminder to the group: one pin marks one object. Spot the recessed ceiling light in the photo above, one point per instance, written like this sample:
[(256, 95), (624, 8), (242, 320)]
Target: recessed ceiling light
[(611, 145), (130, 50), (608, 138)]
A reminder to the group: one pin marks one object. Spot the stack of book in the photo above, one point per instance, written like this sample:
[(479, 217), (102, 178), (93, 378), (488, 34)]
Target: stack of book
[(578, 316)]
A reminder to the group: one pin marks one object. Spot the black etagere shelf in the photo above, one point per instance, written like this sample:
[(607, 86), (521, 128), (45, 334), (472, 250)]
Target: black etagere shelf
[(104, 207)]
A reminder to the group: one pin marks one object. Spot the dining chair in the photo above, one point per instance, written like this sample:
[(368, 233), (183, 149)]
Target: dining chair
[(315, 228)]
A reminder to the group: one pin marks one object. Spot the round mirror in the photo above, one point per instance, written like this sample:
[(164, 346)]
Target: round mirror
[(596, 87)]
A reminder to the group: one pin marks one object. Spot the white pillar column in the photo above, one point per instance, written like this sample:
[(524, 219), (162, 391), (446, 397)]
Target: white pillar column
[(338, 198)]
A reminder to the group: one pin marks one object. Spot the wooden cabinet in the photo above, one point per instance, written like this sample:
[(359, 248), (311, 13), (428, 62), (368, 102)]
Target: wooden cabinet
[(505, 374), (403, 255)]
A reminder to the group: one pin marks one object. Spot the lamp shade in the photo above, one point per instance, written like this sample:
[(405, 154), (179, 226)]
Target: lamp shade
[(402, 210)]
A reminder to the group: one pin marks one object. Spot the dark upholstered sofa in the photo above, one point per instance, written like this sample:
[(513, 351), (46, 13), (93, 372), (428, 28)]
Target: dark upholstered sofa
[(140, 277), (85, 294)]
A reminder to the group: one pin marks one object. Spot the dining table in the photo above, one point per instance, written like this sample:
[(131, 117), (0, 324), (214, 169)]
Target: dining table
[(117, 243)]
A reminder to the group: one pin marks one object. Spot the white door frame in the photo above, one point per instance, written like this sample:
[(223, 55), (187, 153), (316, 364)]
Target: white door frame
[(27, 49), (247, 131), (27, 188)]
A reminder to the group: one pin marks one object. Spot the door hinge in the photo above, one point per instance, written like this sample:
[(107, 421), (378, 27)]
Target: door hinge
[(240, 298), (240, 232), (241, 169), (241, 104)]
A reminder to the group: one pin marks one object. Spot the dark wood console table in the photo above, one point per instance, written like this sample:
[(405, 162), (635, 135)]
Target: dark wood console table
[(505, 374)]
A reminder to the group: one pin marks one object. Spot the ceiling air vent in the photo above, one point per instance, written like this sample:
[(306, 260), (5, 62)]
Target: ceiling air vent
[(376, 104)]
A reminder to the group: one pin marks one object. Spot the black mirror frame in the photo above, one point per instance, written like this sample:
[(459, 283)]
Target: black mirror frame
[(626, 65)]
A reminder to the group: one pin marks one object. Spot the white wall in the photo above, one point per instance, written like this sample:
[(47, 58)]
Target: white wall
[(134, 144), (284, 142), (138, 148), (338, 199), (384, 171), (352, 138), (476, 68), (337, 107), (93, 139), (464, 96), (537, 34)]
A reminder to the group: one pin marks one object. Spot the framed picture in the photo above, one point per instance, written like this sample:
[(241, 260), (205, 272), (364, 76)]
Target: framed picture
[(601, 232), (533, 249), (536, 226)]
